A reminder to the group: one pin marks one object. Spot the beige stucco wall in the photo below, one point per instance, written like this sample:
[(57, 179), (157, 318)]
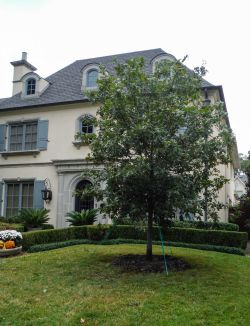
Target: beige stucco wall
[(226, 193), (36, 172), (62, 128)]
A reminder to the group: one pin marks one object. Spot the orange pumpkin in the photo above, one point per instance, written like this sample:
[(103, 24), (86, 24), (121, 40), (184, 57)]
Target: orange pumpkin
[(10, 244)]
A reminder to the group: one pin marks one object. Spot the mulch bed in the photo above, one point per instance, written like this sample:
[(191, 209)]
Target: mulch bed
[(139, 264)]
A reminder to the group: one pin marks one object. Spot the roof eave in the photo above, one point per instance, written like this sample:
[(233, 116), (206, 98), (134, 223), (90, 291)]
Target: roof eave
[(43, 105)]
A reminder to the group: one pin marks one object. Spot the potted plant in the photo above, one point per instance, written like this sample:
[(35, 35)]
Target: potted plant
[(10, 243)]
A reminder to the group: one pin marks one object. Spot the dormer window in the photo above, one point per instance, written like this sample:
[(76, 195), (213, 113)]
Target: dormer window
[(161, 57), (92, 76), (31, 86)]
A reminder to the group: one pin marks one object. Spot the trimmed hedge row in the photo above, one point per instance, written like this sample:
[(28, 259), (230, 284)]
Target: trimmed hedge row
[(57, 235), (57, 245), (98, 233), (211, 237), (204, 225), (11, 226)]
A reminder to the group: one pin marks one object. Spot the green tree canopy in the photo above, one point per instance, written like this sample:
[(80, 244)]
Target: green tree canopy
[(157, 143)]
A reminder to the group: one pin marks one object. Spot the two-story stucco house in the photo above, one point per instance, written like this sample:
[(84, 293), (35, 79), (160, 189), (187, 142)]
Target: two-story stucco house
[(38, 124)]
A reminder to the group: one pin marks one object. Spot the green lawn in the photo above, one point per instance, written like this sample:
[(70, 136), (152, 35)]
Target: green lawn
[(62, 286)]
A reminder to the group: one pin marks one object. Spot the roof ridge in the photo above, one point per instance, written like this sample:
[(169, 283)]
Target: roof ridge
[(121, 54), (106, 56)]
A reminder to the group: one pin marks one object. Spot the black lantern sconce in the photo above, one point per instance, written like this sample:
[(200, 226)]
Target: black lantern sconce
[(47, 193)]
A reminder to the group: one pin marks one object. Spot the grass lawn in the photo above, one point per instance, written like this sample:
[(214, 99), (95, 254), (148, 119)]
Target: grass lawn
[(63, 286)]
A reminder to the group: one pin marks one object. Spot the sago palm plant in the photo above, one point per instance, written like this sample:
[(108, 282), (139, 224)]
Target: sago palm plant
[(85, 217), (32, 218)]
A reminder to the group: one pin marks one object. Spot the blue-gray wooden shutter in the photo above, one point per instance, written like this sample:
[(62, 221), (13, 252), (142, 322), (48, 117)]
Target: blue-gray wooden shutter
[(1, 197), (37, 200), (3, 128), (42, 134)]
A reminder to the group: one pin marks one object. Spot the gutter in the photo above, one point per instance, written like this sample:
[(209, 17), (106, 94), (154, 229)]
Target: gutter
[(42, 105)]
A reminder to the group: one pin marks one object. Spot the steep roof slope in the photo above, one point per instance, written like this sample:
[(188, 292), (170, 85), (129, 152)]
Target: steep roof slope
[(66, 84)]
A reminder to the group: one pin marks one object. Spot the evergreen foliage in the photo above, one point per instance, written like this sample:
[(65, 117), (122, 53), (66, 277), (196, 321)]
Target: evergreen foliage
[(157, 142)]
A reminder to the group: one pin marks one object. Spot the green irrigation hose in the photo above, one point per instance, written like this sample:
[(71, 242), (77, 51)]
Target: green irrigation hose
[(107, 234), (162, 246), (161, 239)]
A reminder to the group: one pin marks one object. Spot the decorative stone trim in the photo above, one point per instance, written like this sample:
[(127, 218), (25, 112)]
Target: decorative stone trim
[(18, 153)]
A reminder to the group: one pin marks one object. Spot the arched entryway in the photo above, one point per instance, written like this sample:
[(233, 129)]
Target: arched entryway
[(86, 203)]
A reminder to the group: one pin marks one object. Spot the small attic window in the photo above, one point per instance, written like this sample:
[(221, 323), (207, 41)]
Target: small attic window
[(31, 86), (92, 76), (161, 57)]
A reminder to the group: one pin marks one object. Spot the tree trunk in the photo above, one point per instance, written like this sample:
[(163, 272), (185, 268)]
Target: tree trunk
[(206, 206), (149, 253)]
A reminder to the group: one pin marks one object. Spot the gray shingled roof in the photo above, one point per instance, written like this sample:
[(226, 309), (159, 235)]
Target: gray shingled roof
[(65, 84)]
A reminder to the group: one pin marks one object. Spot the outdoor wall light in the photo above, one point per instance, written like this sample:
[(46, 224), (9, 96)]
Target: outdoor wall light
[(47, 193)]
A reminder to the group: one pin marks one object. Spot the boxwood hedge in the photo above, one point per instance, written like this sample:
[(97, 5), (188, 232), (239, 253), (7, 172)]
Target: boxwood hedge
[(204, 225), (11, 226), (104, 232), (56, 245)]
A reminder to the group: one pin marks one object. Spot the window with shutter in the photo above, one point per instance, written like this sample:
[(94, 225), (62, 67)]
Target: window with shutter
[(3, 129), (18, 195), (28, 136), (23, 136)]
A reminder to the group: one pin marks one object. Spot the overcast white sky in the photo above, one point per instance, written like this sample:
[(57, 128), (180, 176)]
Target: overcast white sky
[(58, 32)]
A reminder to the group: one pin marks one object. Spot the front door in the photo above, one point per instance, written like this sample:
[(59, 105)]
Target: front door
[(80, 203)]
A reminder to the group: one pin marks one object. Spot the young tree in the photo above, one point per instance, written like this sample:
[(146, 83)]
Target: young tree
[(240, 214), (156, 143)]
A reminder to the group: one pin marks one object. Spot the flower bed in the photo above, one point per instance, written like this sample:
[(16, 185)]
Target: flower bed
[(10, 243)]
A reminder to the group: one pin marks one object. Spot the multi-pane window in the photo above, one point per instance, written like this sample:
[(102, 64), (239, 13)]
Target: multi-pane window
[(31, 86), (23, 136), (19, 195), (92, 77), (86, 203), (86, 126)]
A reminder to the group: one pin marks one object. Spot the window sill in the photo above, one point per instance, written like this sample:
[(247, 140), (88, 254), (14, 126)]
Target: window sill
[(29, 97), (78, 144), (33, 152)]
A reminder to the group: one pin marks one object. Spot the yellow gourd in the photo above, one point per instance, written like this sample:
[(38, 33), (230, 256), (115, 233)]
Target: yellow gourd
[(10, 244), (1, 245)]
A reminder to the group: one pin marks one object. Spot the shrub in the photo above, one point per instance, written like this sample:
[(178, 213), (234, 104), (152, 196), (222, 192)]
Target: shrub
[(47, 227), (57, 235), (9, 226), (85, 217), (240, 215), (56, 245), (32, 218), (212, 237), (204, 225), (97, 232), (105, 232)]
